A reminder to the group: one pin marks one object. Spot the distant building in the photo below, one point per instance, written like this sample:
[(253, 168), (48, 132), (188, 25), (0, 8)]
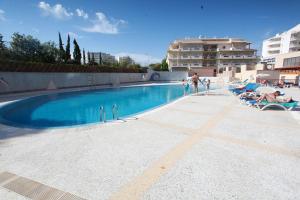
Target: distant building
[(102, 58), (288, 64), (126, 60), (209, 56), (286, 68), (286, 42)]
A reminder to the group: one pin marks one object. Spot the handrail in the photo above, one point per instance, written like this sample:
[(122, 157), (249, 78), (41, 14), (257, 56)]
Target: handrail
[(115, 112), (2, 80), (102, 114)]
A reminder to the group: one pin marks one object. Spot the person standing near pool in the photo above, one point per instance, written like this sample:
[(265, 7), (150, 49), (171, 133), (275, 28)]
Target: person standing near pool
[(207, 85), (195, 79)]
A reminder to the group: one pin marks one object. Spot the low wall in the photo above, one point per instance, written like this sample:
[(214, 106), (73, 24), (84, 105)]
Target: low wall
[(11, 82), (28, 81), (172, 76)]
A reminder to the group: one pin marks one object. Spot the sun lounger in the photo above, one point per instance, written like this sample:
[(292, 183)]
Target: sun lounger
[(250, 87), (265, 104)]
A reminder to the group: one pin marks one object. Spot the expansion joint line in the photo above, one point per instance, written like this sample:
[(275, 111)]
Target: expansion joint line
[(136, 188)]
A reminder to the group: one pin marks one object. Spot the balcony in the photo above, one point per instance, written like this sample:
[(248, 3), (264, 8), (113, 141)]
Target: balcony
[(274, 40), (274, 51), (186, 49), (237, 57), (185, 57), (210, 49), (294, 44), (237, 50), (295, 38), (274, 45)]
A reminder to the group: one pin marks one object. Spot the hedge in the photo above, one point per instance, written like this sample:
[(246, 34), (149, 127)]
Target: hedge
[(18, 66)]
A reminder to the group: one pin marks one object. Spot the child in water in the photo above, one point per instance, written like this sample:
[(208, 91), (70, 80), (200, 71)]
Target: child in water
[(186, 86)]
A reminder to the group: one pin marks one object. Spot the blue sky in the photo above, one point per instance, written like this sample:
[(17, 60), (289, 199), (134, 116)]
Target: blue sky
[(144, 28)]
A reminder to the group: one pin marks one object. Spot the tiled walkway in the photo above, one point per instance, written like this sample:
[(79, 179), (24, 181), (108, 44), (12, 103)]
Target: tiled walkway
[(200, 147)]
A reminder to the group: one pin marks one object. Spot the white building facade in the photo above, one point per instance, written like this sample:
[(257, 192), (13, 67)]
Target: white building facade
[(126, 60), (209, 56), (102, 58), (286, 42)]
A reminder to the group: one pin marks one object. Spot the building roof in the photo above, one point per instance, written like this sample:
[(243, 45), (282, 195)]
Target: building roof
[(288, 68), (292, 30), (211, 40)]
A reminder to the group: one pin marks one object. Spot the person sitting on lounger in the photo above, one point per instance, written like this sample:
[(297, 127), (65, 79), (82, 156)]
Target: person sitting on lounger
[(273, 98), (248, 96)]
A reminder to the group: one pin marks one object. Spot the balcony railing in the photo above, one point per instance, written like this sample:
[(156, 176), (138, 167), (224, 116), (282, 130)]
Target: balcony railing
[(294, 38), (294, 45), (237, 57), (185, 57)]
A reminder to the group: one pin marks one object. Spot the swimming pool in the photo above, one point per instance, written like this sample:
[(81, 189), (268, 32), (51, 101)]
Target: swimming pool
[(83, 107)]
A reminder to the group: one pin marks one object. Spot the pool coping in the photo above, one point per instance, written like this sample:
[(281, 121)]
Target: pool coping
[(15, 96), (90, 125)]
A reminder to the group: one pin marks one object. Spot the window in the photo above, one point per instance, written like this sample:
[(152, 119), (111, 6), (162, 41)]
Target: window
[(289, 62)]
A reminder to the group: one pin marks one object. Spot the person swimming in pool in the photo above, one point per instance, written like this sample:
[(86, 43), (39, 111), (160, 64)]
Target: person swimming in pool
[(186, 86)]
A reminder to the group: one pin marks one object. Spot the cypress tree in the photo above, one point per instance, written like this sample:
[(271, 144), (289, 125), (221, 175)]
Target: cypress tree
[(89, 58), (2, 46), (93, 59), (83, 52), (68, 54), (76, 52), (100, 59), (61, 49)]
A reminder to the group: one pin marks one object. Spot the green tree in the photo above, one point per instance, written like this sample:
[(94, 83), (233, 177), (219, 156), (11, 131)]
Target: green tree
[(76, 52), (49, 53), (3, 49), (155, 66), (2, 45), (89, 58), (25, 47), (164, 65), (100, 59), (68, 52), (62, 53), (93, 59), (83, 53)]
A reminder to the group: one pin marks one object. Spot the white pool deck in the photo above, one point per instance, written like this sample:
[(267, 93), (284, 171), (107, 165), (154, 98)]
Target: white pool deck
[(199, 147)]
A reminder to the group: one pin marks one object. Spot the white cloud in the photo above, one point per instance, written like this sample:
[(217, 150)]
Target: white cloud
[(142, 59), (104, 25), (81, 13), (2, 17), (57, 11)]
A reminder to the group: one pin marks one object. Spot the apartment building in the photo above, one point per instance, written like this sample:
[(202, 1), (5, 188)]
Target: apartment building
[(102, 58), (126, 60), (209, 56), (286, 42), (288, 64)]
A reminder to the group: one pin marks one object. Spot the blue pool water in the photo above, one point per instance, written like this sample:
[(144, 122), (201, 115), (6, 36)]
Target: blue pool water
[(77, 108)]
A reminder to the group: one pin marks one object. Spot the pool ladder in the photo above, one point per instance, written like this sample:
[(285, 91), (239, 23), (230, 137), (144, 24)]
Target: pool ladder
[(102, 114), (115, 113)]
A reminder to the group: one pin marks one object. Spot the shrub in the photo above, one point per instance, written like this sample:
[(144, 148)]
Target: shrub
[(19, 66)]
